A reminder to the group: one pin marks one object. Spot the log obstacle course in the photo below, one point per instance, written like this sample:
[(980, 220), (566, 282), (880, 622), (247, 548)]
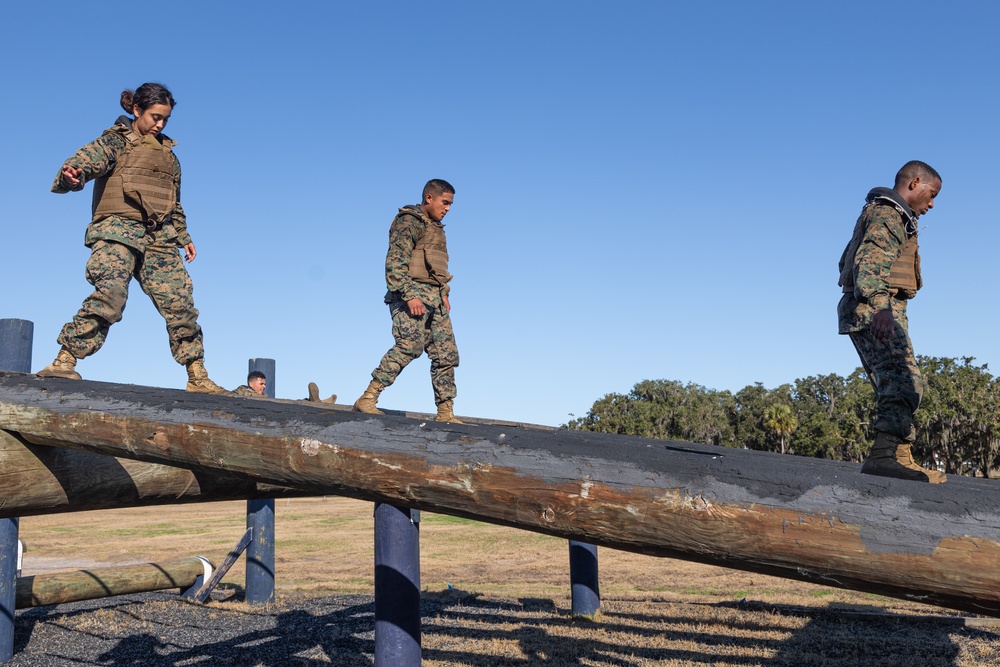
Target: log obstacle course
[(806, 519)]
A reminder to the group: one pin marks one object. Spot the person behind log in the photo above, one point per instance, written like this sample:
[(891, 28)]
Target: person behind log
[(416, 275), (256, 385), (879, 274), (136, 229), (313, 397)]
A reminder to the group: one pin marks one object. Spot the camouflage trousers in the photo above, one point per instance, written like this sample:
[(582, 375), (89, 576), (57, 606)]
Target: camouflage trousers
[(894, 373), (162, 276), (430, 332)]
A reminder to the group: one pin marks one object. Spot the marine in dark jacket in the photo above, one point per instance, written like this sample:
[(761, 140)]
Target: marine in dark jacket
[(879, 274)]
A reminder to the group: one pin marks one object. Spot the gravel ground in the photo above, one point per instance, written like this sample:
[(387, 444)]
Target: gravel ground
[(460, 629), (153, 629)]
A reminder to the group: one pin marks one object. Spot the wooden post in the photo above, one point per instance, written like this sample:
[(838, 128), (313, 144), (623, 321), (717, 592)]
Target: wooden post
[(260, 518), (60, 587), (586, 593), (15, 355), (397, 587)]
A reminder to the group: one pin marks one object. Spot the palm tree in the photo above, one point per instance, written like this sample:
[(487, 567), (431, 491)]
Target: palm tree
[(781, 421)]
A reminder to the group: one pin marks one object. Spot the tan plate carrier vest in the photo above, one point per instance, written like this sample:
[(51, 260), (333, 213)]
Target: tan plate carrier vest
[(429, 261), (141, 186), (904, 275)]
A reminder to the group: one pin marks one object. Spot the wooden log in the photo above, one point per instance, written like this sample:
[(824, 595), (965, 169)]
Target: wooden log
[(59, 587), (46, 480), (807, 519)]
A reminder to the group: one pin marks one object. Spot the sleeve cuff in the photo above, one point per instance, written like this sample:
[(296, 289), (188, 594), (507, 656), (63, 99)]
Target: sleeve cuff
[(879, 301)]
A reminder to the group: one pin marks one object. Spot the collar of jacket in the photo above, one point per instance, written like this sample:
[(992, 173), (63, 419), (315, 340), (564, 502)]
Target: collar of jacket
[(133, 137), (415, 210), (893, 198)]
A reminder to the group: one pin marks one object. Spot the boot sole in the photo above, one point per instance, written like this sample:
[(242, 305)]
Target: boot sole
[(905, 474), (73, 375)]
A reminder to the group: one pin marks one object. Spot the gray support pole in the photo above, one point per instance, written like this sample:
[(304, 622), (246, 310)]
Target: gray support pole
[(583, 579), (265, 366), (15, 345), (15, 355), (260, 517), (397, 587)]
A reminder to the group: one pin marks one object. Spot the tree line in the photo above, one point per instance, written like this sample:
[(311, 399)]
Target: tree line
[(824, 416)]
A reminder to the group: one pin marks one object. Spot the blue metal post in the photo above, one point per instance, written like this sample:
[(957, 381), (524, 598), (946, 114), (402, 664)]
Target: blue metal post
[(583, 579), (397, 587), (260, 517), (15, 355), (265, 366), (15, 345)]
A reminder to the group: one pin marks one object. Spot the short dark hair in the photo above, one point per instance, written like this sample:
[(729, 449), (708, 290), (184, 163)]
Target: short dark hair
[(916, 169), (256, 375), (437, 187)]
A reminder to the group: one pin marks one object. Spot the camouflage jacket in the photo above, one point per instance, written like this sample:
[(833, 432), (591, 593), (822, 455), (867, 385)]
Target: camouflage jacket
[(879, 236), (407, 228), (98, 160), (244, 390)]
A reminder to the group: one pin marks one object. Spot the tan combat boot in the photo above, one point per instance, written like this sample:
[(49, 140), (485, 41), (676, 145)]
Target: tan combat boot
[(366, 403), (905, 458), (314, 395), (445, 413), (892, 458), (64, 366), (198, 381)]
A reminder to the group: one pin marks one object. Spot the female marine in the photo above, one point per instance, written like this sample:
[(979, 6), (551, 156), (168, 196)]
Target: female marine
[(137, 231)]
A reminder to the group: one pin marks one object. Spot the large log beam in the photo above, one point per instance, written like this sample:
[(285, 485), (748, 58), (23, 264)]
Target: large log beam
[(48, 480), (807, 519)]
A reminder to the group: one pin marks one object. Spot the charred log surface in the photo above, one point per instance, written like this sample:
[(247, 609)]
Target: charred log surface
[(807, 519), (49, 480)]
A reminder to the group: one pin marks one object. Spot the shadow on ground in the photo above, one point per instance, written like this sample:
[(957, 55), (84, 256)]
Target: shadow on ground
[(157, 629)]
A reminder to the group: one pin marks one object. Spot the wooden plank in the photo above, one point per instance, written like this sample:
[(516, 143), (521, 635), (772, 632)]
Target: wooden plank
[(60, 587), (202, 593), (45, 480), (807, 519)]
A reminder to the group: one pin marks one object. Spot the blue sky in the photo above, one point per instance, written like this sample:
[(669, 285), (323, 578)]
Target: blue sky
[(644, 189)]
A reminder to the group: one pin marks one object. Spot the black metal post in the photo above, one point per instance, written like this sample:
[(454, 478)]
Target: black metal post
[(397, 587), (260, 517), (583, 579), (15, 355)]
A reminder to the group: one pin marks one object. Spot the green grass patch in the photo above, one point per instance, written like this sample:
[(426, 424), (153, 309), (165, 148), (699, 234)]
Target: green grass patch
[(334, 522), (446, 519)]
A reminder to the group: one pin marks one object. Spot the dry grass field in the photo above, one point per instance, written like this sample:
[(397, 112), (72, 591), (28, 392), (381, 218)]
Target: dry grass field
[(498, 596)]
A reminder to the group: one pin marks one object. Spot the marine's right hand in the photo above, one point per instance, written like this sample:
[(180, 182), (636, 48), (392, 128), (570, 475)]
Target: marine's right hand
[(71, 175), (883, 324), (416, 307)]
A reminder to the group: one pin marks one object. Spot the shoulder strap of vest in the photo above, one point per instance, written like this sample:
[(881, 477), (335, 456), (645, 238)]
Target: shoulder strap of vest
[(909, 222), (130, 136)]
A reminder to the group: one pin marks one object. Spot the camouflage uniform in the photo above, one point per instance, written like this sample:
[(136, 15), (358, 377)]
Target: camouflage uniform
[(430, 332), (244, 391), (885, 226), (124, 248)]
